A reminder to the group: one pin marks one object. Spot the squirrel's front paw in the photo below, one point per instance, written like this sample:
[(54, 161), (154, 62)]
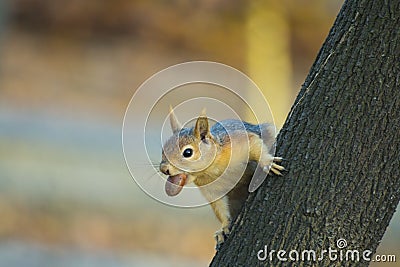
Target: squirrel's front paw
[(275, 168), (220, 236)]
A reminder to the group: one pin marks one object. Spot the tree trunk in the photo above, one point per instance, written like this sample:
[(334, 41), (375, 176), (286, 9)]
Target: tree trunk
[(341, 142)]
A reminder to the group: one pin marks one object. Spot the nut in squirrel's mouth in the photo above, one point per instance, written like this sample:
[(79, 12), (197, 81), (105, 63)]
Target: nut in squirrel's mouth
[(174, 184)]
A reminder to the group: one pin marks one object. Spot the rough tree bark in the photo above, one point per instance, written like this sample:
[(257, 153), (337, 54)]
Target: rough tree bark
[(341, 141)]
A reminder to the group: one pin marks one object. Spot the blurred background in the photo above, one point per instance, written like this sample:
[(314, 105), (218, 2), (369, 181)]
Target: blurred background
[(67, 72)]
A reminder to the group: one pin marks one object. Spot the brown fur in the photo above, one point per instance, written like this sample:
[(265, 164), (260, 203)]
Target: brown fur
[(215, 168)]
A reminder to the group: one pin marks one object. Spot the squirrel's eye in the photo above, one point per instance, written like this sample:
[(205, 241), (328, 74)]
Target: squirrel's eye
[(187, 153)]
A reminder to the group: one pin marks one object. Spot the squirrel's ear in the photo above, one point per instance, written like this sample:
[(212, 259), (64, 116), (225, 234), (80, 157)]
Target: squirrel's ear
[(175, 125), (202, 129)]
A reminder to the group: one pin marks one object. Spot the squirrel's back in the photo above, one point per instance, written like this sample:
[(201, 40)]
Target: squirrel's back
[(221, 130)]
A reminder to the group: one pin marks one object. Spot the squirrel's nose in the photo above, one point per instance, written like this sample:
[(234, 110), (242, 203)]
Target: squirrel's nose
[(164, 168)]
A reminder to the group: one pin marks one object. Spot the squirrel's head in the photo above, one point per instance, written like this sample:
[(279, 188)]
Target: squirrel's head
[(187, 153)]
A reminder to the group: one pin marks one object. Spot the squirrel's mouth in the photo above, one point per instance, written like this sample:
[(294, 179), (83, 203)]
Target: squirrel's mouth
[(174, 184)]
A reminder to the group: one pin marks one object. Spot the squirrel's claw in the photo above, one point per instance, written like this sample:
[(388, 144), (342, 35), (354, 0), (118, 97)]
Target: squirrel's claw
[(275, 168), (218, 246), (220, 237)]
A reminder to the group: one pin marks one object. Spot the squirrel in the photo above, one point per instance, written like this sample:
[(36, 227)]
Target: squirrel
[(220, 160)]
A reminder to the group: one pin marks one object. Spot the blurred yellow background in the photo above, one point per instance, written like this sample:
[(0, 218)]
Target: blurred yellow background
[(67, 72)]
